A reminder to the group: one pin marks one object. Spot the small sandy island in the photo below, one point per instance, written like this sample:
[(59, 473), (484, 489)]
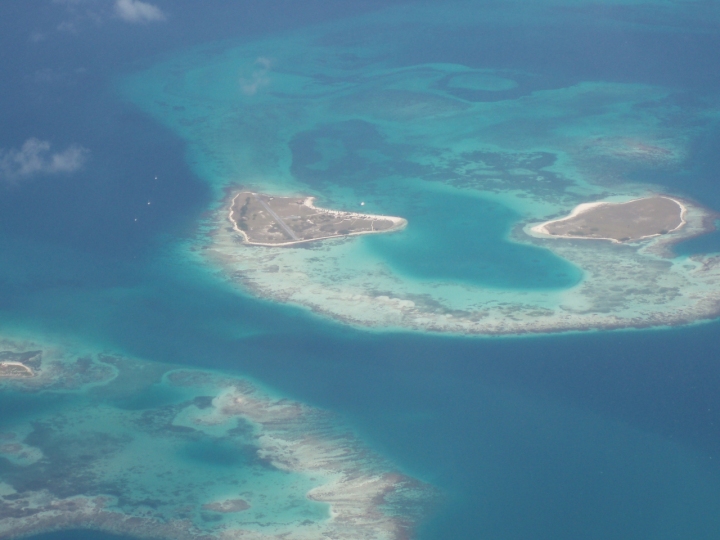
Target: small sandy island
[(15, 370), (18, 365), (618, 222), (264, 220)]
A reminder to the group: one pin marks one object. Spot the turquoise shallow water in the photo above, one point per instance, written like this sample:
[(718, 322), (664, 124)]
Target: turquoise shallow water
[(443, 225), (707, 243), (606, 435), (174, 457)]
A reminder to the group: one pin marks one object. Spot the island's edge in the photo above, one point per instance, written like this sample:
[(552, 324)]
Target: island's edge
[(398, 224), (540, 230)]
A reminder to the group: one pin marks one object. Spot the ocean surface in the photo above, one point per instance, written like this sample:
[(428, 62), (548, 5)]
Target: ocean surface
[(560, 437)]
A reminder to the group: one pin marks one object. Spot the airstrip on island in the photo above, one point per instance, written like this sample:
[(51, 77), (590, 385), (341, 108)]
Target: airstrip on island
[(264, 220), (618, 222)]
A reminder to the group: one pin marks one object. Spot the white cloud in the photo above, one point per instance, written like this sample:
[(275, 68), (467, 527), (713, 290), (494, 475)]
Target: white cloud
[(36, 37), (259, 77), (67, 26), (137, 11), (35, 157), (78, 13)]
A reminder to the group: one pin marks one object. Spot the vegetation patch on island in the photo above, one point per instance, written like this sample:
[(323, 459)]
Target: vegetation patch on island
[(280, 221), (619, 222)]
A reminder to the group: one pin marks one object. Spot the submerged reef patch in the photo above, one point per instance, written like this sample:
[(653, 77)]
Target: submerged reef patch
[(221, 459), (367, 120)]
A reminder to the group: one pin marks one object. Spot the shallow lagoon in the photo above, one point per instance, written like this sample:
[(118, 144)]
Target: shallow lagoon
[(444, 225)]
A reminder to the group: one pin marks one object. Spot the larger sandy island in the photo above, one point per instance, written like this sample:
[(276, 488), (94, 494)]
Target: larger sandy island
[(628, 221)]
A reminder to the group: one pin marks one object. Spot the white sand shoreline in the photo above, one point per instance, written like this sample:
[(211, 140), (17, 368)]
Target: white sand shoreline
[(398, 224), (16, 364), (541, 230)]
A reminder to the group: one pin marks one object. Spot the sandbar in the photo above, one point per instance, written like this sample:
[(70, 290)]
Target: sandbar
[(629, 221), (15, 369), (19, 365)]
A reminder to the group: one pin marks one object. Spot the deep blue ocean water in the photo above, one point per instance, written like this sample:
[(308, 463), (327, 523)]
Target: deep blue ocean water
[(603, 435)]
